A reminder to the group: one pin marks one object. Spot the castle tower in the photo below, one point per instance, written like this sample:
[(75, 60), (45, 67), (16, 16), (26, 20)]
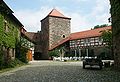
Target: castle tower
[(54, 28)]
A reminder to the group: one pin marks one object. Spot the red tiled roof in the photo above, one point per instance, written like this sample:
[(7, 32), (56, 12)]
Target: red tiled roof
[(31, 36), (56, 13), (59, 43), (83, 34), (88, 33)]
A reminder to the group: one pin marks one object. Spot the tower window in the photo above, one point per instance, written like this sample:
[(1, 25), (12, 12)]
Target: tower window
[(63, 36)]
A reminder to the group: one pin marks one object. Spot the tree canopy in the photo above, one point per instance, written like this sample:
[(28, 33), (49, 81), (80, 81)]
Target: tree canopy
[(100, 26), (107, 37)]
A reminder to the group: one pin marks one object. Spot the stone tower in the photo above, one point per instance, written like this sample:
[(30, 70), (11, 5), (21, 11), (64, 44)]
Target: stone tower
[(54, 27)]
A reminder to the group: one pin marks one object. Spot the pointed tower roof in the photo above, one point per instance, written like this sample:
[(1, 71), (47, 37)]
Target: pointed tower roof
[(56, 13)]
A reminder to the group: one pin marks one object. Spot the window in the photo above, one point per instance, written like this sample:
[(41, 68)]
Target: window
[(96, 43), (96, 39), (72, 43), (82, 45), (92, 44), (85, 44), (63, 36), (6, 27), (100, 43), (78, 42), (82, 40), (92, 40), (88, 44)]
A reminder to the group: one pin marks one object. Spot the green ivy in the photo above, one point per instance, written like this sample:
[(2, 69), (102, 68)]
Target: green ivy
[(9, 38), (1, 28)]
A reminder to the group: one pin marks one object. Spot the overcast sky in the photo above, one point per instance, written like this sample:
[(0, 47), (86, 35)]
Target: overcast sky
[(85, 14)]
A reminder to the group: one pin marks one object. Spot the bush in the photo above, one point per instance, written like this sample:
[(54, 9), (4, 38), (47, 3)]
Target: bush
[(12, 64), (22, 56), (54, 53), (21, 52)]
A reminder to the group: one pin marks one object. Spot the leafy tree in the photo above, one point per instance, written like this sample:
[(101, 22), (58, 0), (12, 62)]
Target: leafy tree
[(54, 53), (100, 26), (107, 37)]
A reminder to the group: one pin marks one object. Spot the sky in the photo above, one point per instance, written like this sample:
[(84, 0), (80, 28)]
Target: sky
[(84, 14)]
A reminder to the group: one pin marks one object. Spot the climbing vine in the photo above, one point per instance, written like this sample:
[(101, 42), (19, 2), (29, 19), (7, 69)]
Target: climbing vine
[(8, 39)]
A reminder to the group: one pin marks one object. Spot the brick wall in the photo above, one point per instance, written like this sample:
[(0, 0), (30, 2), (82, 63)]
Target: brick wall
[(115, 14)]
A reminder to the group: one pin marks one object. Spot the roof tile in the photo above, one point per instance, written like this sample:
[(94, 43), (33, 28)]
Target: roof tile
[(80, 35), (56, 13), (88, 33)]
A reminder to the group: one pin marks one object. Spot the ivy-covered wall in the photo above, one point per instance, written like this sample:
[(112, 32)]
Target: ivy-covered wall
[(115, 15), (1, 28), (8, 38)]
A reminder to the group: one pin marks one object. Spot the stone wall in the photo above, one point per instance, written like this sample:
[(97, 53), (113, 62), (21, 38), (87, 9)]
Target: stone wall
[(53, 29), (59, 28), (45, 37), (115, 15)]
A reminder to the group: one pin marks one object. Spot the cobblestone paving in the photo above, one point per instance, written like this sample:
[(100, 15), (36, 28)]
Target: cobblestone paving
[(51, 71)]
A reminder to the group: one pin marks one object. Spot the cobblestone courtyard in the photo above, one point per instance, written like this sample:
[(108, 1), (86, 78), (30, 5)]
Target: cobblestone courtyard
[(52, 71)]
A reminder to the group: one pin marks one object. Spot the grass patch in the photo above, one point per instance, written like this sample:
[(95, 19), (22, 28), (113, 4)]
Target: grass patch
[(13, 64)]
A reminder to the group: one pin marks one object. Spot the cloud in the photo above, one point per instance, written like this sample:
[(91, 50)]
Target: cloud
[(99, 14), (31, 18), (79, 22)]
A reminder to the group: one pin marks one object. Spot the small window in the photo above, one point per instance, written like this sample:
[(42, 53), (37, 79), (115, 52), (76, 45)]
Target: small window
[(63, 36), (6, 27)]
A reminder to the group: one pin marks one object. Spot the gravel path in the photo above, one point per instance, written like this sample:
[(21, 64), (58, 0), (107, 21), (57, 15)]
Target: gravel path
[(53, 71)]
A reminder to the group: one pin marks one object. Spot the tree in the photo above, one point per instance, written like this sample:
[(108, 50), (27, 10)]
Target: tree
[(107, 37), (54, 53), (100, 26)]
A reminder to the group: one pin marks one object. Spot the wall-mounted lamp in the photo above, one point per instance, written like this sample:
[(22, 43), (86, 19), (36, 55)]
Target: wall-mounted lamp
[(110, 20)]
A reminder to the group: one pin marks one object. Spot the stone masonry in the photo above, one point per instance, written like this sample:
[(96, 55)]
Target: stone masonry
[(59, 28), (115, 15), (53, 30)]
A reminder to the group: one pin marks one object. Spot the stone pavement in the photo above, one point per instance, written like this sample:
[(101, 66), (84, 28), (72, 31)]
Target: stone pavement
[(54, 71)]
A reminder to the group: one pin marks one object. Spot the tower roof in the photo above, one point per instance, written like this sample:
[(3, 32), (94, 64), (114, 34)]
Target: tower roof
[(56, 13)]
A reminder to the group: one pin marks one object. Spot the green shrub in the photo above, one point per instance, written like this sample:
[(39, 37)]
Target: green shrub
[(21, 53), (13, 63), (22, 56), (54, 53)]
